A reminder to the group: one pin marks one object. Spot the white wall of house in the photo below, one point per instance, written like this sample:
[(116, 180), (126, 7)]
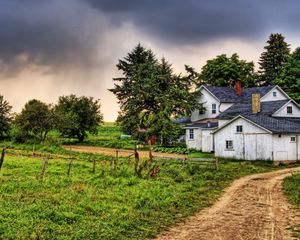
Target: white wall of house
[(196, 142), (207, 99), (225, 106), (274, 95), (253, 143), (222, 122), (282, 112), (285, 148), (207, 140)]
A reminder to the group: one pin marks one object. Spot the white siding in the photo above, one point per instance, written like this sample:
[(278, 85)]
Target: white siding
[(282, 112), (207, 140), (284, 149), (254, 143), (196, 142), (269, 96), (207, 99), (222, 122), (225, 106)]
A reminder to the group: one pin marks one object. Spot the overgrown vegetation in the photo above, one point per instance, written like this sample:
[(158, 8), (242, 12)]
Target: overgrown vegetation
[(112, 203), (292, 190)]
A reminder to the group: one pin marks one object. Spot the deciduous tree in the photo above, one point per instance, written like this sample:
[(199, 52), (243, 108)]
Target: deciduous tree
[(76, 116), (36, 119), (289, 77), (224, 71)]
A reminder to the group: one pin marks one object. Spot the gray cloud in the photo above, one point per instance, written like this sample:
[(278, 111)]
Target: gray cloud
[(193, 21), (54, 34)]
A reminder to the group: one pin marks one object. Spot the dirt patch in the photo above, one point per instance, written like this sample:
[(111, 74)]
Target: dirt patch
[(123, 153), (253, 207)]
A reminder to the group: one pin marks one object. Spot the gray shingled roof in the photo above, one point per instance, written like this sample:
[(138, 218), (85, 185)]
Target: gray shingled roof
[(202, 125), (276, 125), (228, 94), (267, 108)]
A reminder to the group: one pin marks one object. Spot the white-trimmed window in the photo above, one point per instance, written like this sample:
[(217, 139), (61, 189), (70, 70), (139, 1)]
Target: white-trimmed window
[(293, 139), (214, 108), (289, 110), (191, 134), (239, 128), (274, 94), (229, 145)]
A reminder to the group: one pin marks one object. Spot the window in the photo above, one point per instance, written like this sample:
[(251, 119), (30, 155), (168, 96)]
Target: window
[(293, 139), (191, 133), (214, 108), (239, 129), (289, 110), (274, 94), (229, 145)]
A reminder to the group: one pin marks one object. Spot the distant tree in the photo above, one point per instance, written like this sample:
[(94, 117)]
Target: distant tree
[(224, 71), (273, 59), (289, 77), (5, 118), (150, 94), (76, 116), (35, 120)]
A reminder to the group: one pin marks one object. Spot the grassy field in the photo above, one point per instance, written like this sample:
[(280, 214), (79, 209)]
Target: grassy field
[(112, 203), (292, 190)]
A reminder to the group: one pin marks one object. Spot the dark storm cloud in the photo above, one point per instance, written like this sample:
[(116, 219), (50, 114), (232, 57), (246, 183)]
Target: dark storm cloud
[(54, 34), (192, 21)]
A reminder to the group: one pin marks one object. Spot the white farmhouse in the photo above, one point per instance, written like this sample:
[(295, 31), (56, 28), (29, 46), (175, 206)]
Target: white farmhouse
[(267, 128), (217, 100)]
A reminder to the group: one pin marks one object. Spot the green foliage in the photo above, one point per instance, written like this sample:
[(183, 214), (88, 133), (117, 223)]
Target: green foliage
[(273, 59), (292, 191), (150, 94), (35, 120), (224, 71), (289, 77), (107, 204), (5, 118), (76, 116)]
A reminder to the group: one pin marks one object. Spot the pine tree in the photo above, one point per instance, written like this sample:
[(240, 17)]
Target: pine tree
[(150, 94), (289, 78), (272, 60)]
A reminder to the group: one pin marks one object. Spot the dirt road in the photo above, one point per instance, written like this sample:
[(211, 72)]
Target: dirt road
[(124, 153), (253, 207)]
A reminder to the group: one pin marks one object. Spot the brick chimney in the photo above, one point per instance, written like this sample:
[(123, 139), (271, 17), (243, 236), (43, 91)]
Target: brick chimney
[(238, 87), (255, 103)]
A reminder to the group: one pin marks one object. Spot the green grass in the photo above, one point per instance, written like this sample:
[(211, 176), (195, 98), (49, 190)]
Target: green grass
[(291, 187), (108, 204)]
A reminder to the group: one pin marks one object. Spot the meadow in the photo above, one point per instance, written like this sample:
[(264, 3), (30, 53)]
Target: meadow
[(112, 203)]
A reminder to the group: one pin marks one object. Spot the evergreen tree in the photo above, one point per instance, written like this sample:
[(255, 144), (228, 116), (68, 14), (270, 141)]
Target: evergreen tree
[(273, 59), (224, 71), (150, 94), (289, 78)]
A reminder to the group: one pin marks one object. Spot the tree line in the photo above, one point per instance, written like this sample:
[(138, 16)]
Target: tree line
[(151, 95), (72, 117)]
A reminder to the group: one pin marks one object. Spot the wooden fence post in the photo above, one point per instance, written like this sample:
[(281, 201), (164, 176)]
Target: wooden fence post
[(117, 157), (150, 151), (70, 166), (94, 165), (44, 167), (2, 157)]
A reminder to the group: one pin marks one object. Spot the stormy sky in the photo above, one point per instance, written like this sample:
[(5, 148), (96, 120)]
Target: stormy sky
[(59, 47)]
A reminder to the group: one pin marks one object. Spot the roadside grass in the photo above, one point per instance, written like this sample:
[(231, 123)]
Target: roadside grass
[(291, 187), (112, 203)]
